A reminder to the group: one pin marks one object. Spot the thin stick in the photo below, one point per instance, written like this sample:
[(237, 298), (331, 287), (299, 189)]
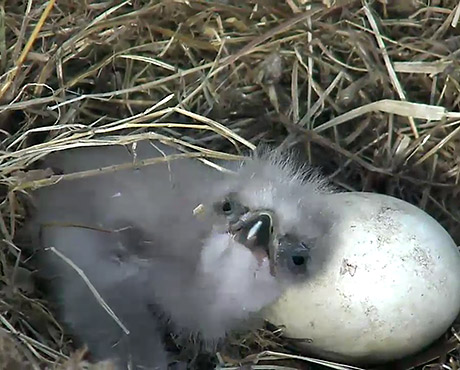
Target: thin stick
[(91, 287), (27, 48), (388, 64)]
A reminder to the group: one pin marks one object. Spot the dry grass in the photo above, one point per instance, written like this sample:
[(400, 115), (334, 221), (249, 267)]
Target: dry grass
[(368, 90)]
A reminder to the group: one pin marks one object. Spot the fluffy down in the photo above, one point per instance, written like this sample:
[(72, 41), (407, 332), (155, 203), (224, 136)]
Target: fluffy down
[(135, 238)]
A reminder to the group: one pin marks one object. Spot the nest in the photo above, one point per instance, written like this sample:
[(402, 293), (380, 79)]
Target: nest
[(366, 90)]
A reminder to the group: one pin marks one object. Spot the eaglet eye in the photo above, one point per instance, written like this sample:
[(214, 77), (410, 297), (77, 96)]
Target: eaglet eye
[(298, 260), (227, 207), (231, 208), (294, 254)]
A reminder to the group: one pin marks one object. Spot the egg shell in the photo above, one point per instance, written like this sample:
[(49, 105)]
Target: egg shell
[(390, 285)]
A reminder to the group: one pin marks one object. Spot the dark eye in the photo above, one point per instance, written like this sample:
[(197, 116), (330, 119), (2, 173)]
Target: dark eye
[(297, 263), (227, 207), (298, 260), (294, 255)]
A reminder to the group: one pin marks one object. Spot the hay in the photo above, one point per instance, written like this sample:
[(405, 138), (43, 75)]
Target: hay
[(368, 90)]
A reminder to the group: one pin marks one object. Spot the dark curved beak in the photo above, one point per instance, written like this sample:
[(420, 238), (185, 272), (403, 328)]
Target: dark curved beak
[(256, 231)]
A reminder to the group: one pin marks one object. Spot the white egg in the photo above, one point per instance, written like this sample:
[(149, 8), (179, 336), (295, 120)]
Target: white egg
[(390, 286)]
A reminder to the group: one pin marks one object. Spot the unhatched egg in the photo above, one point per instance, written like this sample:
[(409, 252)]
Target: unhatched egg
[(390, 285)]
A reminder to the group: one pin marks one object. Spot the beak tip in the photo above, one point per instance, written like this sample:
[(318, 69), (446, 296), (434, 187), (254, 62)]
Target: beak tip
[(258, 235)]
